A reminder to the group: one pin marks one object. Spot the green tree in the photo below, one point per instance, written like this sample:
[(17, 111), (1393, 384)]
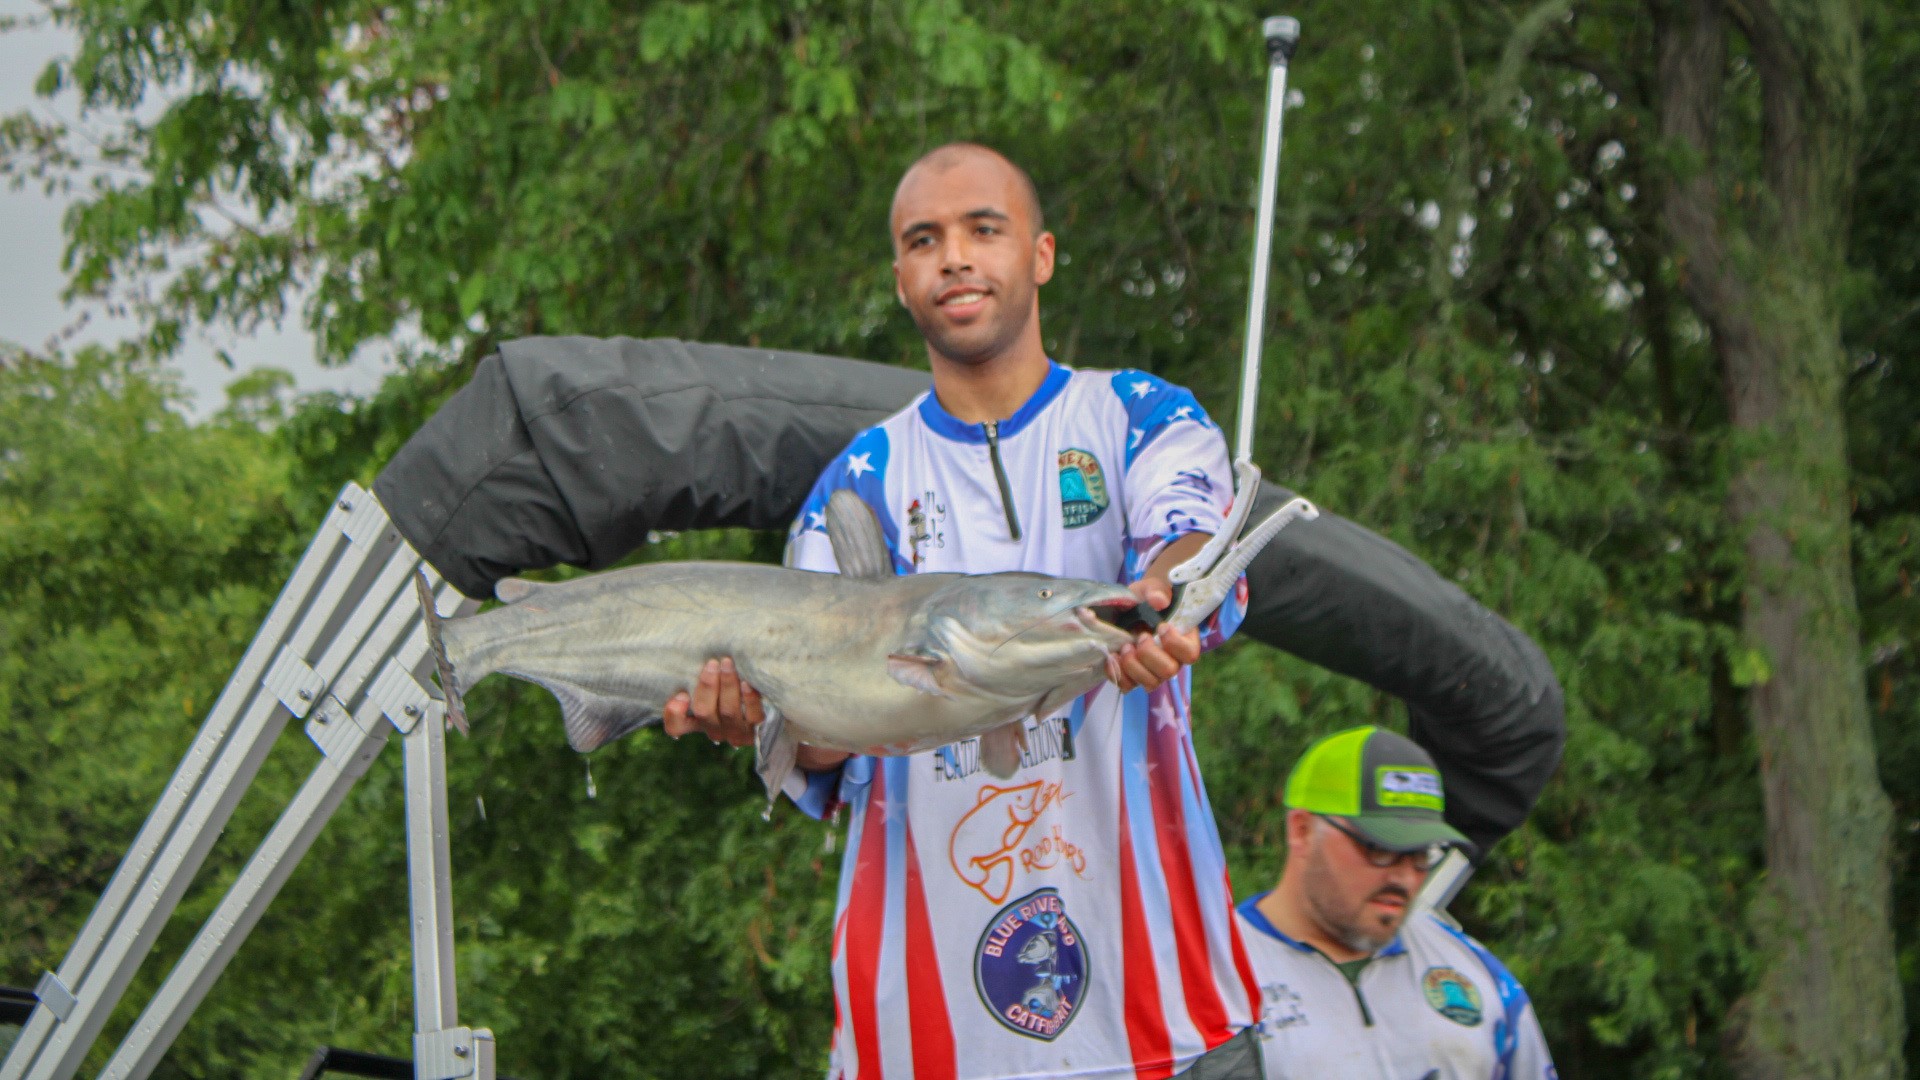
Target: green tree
[(1763, 250)]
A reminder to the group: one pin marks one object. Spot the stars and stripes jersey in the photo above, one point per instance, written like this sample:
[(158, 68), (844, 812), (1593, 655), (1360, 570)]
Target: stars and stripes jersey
[(1433, 1005), (1074, 920)]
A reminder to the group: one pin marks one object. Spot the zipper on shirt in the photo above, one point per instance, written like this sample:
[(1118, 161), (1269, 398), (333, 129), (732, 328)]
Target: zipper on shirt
[(1359, 998), (1366, 1014), (1000, 477)]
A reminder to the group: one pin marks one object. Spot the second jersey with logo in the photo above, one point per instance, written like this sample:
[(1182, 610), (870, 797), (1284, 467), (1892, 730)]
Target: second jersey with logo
[(1433, 1005), (1074, 919)]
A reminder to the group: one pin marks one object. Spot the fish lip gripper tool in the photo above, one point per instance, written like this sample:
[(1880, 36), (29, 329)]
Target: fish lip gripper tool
[(343, 649)]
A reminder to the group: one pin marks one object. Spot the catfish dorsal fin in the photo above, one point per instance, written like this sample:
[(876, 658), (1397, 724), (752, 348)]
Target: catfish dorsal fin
[(512, 590), (858, 544)]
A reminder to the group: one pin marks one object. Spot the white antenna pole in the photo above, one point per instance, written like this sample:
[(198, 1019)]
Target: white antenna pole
[(1282, 34)]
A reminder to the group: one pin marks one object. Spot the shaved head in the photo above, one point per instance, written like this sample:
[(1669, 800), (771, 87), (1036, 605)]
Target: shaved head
[(942, 158)]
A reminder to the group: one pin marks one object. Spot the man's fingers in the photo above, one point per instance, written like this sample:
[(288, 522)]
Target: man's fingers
[(730, 725), (1138, 673), (1150, 661), (1154, 657), (721, 706), (751, 707), (673, 718), (706, 695), (1182, 645), (728, 686), (1155, 591)]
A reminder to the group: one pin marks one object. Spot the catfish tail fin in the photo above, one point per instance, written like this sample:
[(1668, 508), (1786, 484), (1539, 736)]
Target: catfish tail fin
[(456, 709)]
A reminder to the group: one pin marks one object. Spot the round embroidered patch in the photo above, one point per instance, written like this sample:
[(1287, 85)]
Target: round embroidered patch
[(1031, 966), (1452, 996), (1083, 488)]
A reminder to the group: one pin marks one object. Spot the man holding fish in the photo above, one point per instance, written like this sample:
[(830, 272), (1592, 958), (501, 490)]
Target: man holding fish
[(1071, 917)]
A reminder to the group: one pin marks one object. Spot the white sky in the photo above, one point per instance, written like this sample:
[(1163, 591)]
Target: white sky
[(31, 244)]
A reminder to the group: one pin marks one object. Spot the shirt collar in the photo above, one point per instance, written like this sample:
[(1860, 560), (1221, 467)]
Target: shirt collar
[(943, 423)]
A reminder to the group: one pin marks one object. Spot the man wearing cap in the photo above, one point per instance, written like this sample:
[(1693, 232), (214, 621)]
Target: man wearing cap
[(1351, 985)]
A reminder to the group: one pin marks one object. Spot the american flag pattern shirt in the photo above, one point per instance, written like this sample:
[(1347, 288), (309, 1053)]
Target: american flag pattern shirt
[(1076, 919)]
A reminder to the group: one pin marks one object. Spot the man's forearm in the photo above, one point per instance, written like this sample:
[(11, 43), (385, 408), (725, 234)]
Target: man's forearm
[(1173, 555), (818, 759)]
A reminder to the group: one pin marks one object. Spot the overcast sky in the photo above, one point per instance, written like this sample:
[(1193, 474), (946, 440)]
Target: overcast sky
[(31, 281)]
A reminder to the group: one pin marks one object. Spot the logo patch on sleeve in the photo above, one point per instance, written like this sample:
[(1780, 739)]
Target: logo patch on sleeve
[(1031, 966), (1452, 996), (1083, 488), (1410, 787)]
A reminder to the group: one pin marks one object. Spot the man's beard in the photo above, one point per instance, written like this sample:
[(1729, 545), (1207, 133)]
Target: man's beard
[(971, 349), (1351, 925)]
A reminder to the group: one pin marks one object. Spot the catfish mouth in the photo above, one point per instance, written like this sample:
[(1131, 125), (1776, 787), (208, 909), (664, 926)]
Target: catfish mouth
[(1128, 614)]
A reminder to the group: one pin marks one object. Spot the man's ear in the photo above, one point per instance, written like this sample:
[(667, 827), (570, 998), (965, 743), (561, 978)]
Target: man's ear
[(1043, 247), (898, 293), (1299, 829)]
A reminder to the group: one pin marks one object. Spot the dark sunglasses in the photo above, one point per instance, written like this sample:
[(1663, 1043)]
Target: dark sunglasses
[(1424, 859)]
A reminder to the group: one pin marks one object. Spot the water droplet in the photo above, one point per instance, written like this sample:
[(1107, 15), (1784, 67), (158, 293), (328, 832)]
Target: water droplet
[(592, 792), (480, 804), (828, 846)]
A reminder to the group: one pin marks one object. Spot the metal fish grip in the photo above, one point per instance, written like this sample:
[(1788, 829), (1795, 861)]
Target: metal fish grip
[(344, 649)]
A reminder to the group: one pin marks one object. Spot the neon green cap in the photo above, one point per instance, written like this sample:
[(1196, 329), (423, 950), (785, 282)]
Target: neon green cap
[(1383, 782)]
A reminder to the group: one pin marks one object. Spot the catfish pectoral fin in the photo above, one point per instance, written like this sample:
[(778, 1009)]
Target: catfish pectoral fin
[(776, 751), (918, 671), (1000, 749), (592, 720)]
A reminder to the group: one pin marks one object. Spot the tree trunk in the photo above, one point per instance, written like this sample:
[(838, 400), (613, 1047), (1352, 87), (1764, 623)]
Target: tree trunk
[(1760, 262)]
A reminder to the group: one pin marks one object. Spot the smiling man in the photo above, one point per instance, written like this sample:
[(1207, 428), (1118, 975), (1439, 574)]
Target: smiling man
[(1351, 986), (1074, 920)]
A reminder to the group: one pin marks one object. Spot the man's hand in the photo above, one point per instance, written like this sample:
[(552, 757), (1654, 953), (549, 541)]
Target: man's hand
[(723, 707), (1152, 659), (726, 708)]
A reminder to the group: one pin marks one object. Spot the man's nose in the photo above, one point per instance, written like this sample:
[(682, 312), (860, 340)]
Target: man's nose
[(1404, 874), (956, 256)]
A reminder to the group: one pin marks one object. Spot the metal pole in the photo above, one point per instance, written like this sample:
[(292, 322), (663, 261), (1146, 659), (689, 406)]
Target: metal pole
[(1282, 34)]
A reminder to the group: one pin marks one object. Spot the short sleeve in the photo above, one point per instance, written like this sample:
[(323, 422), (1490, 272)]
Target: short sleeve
[(1178, 479), (862, 469), (1530, 1059)]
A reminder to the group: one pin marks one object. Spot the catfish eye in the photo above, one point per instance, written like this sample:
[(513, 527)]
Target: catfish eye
[(1046, 594)]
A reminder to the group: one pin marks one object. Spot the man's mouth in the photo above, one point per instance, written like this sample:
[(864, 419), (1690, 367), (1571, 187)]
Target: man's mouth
[(1390, 898), (962, 301)]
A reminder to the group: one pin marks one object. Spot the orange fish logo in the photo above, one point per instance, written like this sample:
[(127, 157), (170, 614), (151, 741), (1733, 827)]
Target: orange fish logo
[(985, 844)]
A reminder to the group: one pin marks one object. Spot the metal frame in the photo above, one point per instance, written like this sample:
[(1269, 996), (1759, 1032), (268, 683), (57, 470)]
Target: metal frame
[(1443, 883), (343, 648)]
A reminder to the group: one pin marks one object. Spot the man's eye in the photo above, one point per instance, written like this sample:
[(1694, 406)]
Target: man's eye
[(987, 230)]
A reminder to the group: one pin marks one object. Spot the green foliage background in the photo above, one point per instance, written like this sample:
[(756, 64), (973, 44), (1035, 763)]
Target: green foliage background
[(1478, 349)]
